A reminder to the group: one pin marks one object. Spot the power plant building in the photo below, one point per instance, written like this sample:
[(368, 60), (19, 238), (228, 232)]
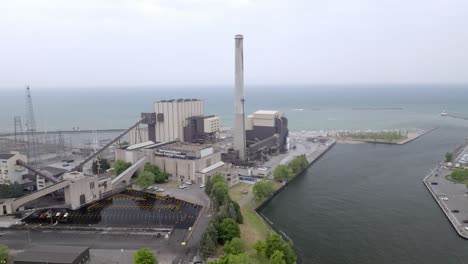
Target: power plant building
[(181, 160), (202, 129), (177, 120), (266, 134), (171, 117)]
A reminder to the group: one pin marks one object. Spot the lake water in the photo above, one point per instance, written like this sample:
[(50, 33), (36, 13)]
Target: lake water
[(367, 204), (324, 107)]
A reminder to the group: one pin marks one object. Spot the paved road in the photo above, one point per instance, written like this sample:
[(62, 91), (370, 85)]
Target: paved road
[(246, 199), (452, 196)]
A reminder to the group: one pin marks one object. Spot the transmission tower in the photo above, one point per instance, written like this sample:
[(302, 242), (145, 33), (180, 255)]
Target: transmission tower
[(19, 139), (61, 149), (31, 130)]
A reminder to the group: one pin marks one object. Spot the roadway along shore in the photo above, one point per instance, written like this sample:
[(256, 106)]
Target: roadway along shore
[(450, 197)]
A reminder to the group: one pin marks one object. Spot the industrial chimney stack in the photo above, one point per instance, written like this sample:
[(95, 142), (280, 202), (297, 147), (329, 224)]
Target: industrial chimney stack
[(239, 123)]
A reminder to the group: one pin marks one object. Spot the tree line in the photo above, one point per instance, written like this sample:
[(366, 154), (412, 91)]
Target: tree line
[(382, 135), (150, 175), (223, 228), (265, 188)]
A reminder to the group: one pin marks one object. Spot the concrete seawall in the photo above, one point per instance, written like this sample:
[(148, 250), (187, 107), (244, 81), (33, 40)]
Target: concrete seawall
[(459, 228)]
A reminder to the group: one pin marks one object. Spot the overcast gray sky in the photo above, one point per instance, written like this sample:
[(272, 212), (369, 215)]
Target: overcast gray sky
[(180, 42)]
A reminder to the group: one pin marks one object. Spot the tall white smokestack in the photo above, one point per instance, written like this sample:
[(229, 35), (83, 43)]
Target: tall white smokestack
[(239, 123)]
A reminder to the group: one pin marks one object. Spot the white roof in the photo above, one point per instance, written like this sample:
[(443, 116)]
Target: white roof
[(212, 167), (266, 112), (140, 145)]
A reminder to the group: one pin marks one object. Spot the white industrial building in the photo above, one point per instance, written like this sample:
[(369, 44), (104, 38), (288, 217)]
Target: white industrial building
[(212, 124), (182, 161), (262, 118), (171, 117), (177, 120), (9, 171), (138, 135)]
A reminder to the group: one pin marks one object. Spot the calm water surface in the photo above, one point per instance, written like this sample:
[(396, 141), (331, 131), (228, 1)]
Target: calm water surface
[(366, 203)]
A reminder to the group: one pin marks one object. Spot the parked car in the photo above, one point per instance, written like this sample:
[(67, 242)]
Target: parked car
[(182, 186), (159, 189), (202, 185), (188, 182)]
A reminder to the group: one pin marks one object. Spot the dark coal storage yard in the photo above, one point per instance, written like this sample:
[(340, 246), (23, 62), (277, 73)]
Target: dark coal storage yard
[(129, 209)]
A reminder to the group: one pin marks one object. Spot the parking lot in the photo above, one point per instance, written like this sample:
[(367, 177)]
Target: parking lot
[(129, 209), (461, 158), (452, 197)]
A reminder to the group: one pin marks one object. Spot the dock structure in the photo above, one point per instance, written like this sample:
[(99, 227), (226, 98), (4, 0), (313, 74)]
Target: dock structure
[(458, 117)]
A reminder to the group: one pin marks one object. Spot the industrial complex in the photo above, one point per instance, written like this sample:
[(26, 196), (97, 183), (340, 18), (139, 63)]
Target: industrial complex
[(177, 136)]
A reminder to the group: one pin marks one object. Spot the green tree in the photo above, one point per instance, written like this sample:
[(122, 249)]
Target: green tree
[(207, 245), (162, 177), (233, 259), (212, 231), (144, 256), (4, 254), (120, 166), (145, 179), (281, 173), (263, 189), (235, 246), (227, 230), (220, 190), (448, 157), (211, 181), (298, 164), (11, 190), (226, 211), (275, 242), (277, 258), (239, 218), (152, 168), (259, 247)]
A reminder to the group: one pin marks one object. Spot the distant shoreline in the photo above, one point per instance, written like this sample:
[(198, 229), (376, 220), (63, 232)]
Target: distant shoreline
[(84, 131), (378, 108)]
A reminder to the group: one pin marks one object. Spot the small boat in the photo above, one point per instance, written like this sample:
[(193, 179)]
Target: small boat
[(443, 113)]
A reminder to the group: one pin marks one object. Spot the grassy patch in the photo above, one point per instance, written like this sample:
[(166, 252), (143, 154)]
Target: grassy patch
[(449, 178), (253, 228), (236, 191)]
